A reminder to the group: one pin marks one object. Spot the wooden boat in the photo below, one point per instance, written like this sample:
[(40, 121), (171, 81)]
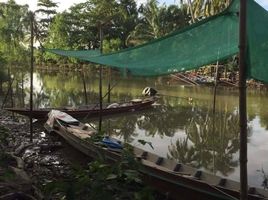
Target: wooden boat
[(177, 180), (89, 111)]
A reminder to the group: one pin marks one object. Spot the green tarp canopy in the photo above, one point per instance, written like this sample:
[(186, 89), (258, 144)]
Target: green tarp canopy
[(205, 42), (79, 54)]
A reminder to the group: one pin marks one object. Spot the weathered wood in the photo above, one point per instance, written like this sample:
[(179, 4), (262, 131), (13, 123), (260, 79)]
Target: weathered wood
[(87, 111), (31, 76), (243, 100), (164, 174)]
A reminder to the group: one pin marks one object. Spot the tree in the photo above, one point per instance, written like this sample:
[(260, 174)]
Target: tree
[(82, 31), (111, 45), (157, 21), (212, 141), (14, 27), (127, 19), (205, 8), (46, 11), (58, 36), (3, 74)]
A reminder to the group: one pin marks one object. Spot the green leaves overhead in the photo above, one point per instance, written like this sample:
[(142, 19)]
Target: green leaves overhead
[(123, 25), (156, 22), (209, 7), (14, 29), (46, 11)]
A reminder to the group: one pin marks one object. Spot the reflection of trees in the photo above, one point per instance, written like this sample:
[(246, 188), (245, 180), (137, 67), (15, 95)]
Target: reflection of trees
[(164, 120), (263, 114), (207, 145), (122, 126), (65, 90)]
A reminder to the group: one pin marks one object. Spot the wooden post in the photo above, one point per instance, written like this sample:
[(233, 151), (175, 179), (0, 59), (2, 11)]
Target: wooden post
[(85, 86), (216, 77), (109, 85), (22, 89), (243, 100), (11, 80), (31, 78), (100, 82)]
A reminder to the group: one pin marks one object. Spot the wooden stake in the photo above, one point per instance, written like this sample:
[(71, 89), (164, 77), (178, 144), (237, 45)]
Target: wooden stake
[(100, 82), (31, 78), (109, 85), (216, 77), (243, 101), (85, 86)]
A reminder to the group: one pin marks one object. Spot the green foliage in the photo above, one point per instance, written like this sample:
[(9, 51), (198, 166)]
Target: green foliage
[(96, 137), (3, 72), (5, 159), (127, 20), (102, 181), (57, 37), (14, 27), (157, 21), (215, 141), (46, 10), (3, 134), (111, 45), (205, 8), (8, 174)]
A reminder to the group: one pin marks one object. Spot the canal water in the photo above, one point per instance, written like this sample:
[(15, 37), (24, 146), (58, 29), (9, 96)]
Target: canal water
[(182, 126)]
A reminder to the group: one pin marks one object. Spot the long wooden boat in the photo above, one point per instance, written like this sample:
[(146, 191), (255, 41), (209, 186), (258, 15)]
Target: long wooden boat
[(89, 111), (175, 179)]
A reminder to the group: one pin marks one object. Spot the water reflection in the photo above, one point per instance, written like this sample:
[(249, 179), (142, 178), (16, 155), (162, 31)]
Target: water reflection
[(186, 131), (201, 146), (209, 143)]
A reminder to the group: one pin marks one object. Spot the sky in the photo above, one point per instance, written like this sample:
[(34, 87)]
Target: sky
[(65, 4)]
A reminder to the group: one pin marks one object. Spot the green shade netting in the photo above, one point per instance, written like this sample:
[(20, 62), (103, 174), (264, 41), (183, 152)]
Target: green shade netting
[(80, 54), (202, 43), (257, 48)]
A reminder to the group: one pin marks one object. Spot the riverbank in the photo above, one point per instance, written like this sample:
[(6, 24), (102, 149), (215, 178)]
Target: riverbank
[(47, 168), (26, 167)]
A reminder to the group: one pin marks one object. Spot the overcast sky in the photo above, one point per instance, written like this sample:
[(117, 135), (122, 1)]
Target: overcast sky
[(64, 4)]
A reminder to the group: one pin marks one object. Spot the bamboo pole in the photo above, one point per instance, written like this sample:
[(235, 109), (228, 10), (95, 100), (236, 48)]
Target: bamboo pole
[(22, 89), (85, 86), (100, 82), (11, 80), (109, 85), (243, 101), (216, 77), (31, 78)]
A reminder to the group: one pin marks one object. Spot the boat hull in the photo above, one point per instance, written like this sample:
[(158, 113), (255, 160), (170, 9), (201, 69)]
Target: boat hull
[(176, 180), (84, 112)]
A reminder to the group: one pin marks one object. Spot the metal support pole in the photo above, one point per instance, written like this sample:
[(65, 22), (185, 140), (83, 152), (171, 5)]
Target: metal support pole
[(243, 101)]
